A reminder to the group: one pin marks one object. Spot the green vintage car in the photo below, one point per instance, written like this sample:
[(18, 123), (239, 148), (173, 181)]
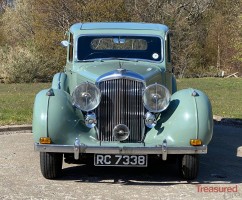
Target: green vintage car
[(117, 103)]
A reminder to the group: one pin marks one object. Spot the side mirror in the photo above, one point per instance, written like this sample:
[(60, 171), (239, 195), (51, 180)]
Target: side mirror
[(65, 43)]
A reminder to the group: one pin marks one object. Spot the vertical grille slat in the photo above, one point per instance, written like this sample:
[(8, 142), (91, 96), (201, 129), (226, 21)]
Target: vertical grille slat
[(121, 104)]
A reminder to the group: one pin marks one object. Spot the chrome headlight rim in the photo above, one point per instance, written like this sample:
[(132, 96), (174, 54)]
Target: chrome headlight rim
[(166, 99), (82, 89)]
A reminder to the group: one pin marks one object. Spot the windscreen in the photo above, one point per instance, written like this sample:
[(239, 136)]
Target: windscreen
[(131, 47)]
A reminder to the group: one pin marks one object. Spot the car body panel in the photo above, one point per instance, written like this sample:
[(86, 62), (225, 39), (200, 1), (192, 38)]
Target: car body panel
[(151, 72)]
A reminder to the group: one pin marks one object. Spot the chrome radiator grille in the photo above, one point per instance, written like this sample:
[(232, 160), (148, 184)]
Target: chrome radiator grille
[(121, 104)]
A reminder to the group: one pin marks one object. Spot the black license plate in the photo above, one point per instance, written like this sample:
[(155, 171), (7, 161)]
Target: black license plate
[(120, 160)]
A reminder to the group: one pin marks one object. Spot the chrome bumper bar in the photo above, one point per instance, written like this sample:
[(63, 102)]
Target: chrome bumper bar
[(78, 148)]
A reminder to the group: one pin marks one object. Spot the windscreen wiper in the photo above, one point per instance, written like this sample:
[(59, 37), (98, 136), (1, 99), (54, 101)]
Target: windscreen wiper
[(122, 59)]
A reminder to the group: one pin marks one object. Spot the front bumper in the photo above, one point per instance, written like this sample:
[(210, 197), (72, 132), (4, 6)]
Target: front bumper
[(79, 148)]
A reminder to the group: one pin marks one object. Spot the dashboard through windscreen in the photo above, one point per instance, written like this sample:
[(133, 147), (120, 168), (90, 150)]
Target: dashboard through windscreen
[(109, 47)]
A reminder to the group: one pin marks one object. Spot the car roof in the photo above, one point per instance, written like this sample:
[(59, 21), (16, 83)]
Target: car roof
[(119, 25)]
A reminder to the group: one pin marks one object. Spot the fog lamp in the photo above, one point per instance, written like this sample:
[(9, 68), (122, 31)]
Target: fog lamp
[(45, 140), (196, 142), (121, 132), (90, 120), (150, 120)]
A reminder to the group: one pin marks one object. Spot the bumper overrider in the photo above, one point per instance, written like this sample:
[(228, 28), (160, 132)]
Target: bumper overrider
[(78, 148)]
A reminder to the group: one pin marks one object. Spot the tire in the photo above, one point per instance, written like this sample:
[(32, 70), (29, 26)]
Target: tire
[(51, 164), (188, 166)]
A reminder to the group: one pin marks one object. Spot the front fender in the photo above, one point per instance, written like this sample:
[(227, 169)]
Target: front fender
[(189, 116), (40, 115), (55, 117)]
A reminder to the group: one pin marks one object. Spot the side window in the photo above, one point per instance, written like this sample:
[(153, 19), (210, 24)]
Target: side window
[(168, 49), (70, 56)]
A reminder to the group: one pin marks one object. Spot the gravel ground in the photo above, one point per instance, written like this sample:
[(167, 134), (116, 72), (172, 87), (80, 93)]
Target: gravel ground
[(20, 176)]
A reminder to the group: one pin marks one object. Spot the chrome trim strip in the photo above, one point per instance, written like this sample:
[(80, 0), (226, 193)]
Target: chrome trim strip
[(121, 150), (59, 81), (164, 150), (76, 149), (125, 97), (120, 74)]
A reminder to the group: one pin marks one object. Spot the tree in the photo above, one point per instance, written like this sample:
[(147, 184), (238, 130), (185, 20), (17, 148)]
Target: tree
[(205, 32)]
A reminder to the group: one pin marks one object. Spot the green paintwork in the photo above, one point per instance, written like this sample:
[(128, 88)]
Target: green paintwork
[(91, 71), (59, 81), (40, 115), (181, 122), (187, 117)]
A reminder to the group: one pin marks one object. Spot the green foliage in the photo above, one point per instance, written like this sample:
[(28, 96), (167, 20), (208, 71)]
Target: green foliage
[(24, 64)]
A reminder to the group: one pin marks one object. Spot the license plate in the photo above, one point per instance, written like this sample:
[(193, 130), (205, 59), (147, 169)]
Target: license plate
[(120, 160)]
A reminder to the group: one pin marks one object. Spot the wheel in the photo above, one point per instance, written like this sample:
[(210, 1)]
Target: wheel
[(188, 166), (51, 164)]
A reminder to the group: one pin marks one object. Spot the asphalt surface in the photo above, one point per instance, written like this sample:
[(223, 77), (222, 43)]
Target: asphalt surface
[(20, 176)]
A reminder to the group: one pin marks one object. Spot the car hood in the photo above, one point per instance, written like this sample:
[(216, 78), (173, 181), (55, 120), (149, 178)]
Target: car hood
[(150, 72)]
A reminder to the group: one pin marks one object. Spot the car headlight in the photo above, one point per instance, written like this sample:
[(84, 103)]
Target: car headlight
[(156, 98), (86, 96)]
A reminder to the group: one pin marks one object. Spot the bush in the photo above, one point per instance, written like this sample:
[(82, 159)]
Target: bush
[(25, 64)]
